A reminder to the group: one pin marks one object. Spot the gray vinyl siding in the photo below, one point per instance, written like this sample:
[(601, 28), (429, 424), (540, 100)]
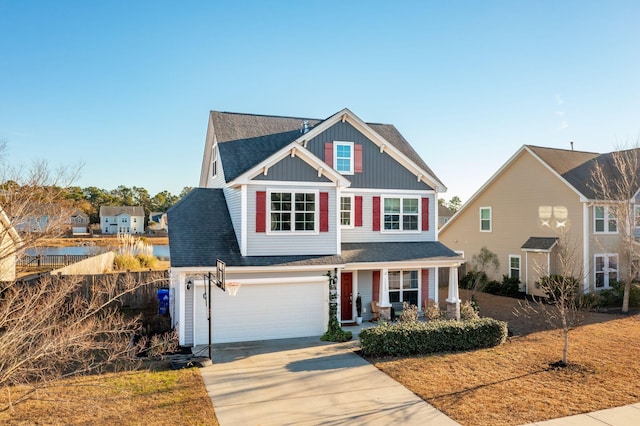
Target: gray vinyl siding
[(277, 244), (291, 169), (233, 196), (379, 170), (365, 233), (365, 288)]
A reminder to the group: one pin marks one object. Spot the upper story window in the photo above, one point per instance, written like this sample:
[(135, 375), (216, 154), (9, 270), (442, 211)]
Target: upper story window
[(214, 161), (292, 211), (605, 220), (123, 220), (485, 219), (401, 214), (346, 211), (343, 157)]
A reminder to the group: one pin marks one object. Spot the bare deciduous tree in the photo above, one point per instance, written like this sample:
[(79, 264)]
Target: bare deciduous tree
[(564, 303), (483, 263), (616, 181), (58, 327)]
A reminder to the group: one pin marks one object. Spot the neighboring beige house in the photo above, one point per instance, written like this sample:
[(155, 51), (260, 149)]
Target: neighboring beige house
[(122, 219), (519, 213), (78, 223), (10, 241)]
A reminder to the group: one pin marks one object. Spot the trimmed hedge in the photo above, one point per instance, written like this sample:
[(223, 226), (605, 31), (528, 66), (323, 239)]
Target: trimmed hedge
[(419, 338)]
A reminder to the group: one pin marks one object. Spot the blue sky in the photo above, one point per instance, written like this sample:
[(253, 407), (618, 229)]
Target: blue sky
[(125, 87)]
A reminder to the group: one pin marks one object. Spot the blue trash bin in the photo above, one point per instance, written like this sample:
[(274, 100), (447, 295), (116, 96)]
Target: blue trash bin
[(163, 301)]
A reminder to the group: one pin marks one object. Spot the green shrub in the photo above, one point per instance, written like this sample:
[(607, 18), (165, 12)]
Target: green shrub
[(123, 262), (612, 297), (415, 338), (469, 280), (147, 260), (508, 287), (338, 335)]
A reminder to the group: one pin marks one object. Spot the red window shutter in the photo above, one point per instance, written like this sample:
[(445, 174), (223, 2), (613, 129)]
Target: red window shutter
[(357, 159), (358, 210), (425, 287), (376, 213), (328, 153), (324, 212), (261, 211), (376, 286), (425, 214)]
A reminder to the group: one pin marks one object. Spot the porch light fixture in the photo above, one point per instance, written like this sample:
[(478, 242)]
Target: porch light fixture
[(189, 284)]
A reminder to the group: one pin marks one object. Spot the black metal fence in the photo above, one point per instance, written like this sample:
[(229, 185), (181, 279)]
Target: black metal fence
[(53, 261)]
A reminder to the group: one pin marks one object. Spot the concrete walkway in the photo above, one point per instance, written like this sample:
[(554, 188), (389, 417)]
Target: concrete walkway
[(628, 415), (308, 382)]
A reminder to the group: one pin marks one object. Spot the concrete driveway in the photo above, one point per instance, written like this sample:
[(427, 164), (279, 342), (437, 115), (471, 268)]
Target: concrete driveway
[(306, 381)]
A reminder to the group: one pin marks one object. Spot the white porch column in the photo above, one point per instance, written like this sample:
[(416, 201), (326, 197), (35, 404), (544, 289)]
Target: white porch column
[(453, 301), (384, 305)]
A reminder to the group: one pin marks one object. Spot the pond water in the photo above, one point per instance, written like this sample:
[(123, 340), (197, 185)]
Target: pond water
[(160, 251)]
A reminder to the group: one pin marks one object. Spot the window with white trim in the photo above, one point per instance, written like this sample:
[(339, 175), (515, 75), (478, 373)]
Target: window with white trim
[(485, 219), (606, 269), (343, 157), (605, 220), (214, 161), (403, 287), (401, 214), (346, 211), (514, 266), (636, 215), (292, 211)]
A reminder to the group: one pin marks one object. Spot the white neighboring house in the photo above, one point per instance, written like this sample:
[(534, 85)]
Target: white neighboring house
[(10, 242), (157, 221), (122, 219)]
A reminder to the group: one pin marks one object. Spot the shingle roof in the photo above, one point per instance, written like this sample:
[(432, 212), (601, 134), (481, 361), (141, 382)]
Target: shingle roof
[(539, 243), (116, 210), (396, 252), (201, 232), (577, 167), (249, 132)]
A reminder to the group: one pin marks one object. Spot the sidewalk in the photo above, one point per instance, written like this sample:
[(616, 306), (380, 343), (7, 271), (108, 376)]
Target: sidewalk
[(628, 415)]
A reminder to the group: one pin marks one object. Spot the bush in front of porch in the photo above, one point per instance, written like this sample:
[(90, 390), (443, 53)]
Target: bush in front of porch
[(421, 338)]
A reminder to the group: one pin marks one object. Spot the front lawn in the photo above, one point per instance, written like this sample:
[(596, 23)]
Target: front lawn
[(514, 383), (167, 397)]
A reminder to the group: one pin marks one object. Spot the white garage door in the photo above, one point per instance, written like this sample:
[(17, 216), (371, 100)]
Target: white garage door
[(263, 312)]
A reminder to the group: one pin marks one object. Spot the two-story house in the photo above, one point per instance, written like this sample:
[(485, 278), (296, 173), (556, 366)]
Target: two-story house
[(283, 201), (122, 219), (537, 197)]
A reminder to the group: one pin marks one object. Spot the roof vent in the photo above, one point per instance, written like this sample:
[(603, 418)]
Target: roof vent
[(305, 127)]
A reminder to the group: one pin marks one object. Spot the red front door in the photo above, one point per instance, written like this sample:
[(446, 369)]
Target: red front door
[(346, 296)]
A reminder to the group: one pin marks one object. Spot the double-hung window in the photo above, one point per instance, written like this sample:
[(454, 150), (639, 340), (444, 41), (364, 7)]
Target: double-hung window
[(605, 220), (343, 157), (514, 266), (401, 214), (293, 211), (606, 269), (403, 287), (346, 211), (214, 161), (485, 219)]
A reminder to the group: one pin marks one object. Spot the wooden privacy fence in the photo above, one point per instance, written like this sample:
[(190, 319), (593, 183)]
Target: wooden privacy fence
[(145, 296), (52, 261)]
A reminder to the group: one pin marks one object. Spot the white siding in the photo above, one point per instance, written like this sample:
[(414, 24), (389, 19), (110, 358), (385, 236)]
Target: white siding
[(234, 204), (274, 244), (365, 233)]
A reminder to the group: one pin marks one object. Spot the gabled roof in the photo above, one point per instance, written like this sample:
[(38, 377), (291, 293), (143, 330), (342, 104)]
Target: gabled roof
[(245, 140), (117, 210), (574, 168)]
